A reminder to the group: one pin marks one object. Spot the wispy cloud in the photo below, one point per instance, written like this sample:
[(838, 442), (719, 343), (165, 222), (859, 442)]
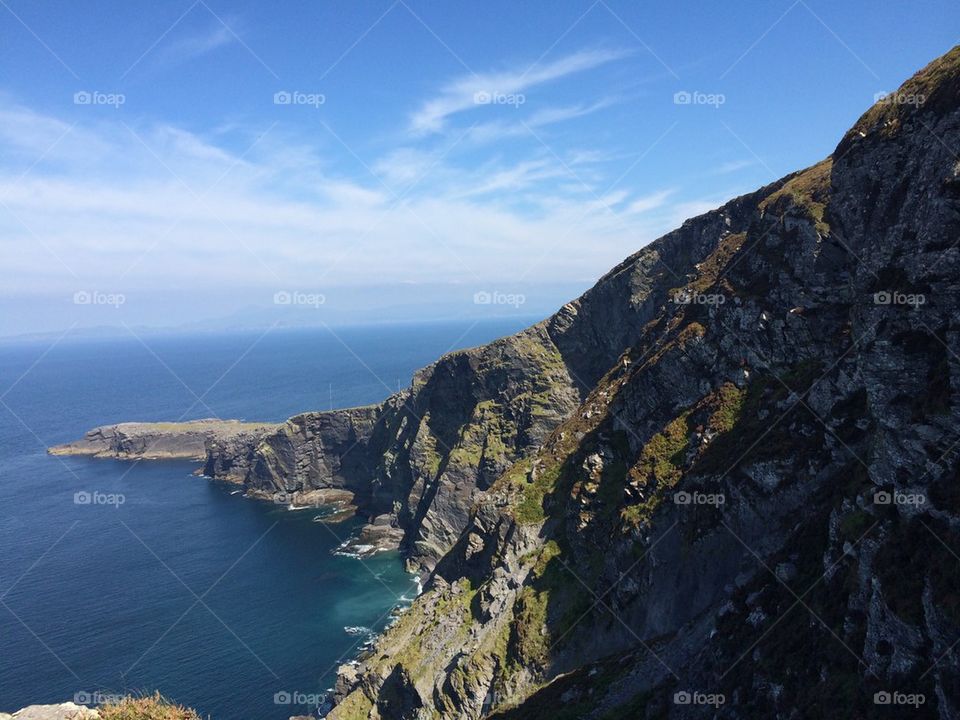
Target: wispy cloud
[(501, 130), (468, 92), (735, 165), (648, 202), (188, 47), (518, 177), (154, 206)]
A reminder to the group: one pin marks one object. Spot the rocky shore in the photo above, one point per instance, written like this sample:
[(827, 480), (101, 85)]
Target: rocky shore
[(219, 444)]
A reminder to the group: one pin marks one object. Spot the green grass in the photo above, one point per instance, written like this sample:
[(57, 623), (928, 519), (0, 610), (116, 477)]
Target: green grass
[(659, 467), (529, 510), (356, 706), (809, 190), (153, 707), (729, 400)]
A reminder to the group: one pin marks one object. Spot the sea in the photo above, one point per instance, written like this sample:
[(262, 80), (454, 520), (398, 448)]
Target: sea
[(141, 577)]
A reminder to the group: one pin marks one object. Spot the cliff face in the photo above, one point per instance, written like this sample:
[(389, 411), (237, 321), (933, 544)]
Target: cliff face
[(752, 511), (426, 454)]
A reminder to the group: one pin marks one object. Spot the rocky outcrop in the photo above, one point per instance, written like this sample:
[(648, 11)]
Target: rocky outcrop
[(163, 441), (139, 707), (308, 452), (64, 711), (753, 512)]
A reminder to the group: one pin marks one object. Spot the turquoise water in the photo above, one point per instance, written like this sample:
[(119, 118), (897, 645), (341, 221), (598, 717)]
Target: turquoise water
[(184, 587)]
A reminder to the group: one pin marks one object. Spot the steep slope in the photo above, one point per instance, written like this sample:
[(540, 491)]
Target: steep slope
[(425, 454), (753, 513)]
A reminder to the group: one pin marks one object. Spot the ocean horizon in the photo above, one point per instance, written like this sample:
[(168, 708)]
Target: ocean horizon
[(130, 577)]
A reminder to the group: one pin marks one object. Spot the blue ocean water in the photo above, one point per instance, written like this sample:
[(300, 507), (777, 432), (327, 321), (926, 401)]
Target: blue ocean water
[(219, 602)]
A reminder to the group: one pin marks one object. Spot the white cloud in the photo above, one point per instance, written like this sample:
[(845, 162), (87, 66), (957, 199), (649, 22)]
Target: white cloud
[(460, 94), (500, 130), (648, 202), (150, 207), (735, 165), (192, 46)]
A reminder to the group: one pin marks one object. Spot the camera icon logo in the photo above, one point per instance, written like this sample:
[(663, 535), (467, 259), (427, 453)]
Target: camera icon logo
[(882, 497)]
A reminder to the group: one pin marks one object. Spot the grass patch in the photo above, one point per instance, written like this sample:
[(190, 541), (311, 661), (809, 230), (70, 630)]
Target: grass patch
[(729, 400), (355, 706), (809, 189), (533, 492), (659, 468), (153, 707)]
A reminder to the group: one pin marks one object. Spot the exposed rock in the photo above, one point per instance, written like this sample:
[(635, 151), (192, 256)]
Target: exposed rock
[(162, 441), (64, 711)]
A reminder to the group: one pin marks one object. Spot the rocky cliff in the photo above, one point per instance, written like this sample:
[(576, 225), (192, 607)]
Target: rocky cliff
[(738, 498), (163, 441), (425, 455)]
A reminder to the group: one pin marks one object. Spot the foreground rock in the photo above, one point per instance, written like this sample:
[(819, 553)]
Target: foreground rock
[(65, 711), (162, 441)]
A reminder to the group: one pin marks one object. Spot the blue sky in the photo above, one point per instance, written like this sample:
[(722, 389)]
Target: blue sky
[(396, 159)]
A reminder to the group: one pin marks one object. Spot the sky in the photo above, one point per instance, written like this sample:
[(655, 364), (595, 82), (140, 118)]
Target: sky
[(215, 164)]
